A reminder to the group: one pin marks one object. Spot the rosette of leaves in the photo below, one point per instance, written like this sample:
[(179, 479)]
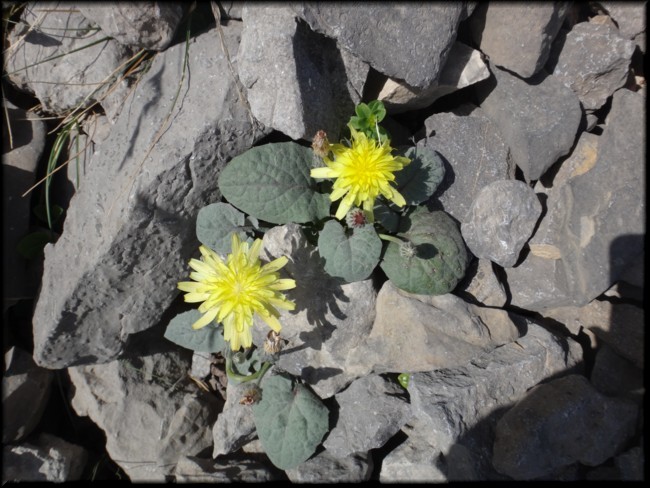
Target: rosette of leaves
[(367, 120)]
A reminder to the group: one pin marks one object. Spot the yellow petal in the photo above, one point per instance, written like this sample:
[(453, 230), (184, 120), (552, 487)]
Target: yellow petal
[(205, 319)]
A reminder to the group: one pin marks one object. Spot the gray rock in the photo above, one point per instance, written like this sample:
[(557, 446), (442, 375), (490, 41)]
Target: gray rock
[(501, 220), (192, 469), (136, 402), (331, 317), (140, 203), (473, 152), (416, 55), (455, 409), (620, 325), (145, 25), (437, 331), (560, 423), (463, 68), (49, 458), (614, 375), (538, 118), (593, 229), (594, 62), (23, 145), (482, 284), (326, 468), (25, 393), (235, 425), (296, 80), (580, 161), (58, 47), (631, 464), (518, 36), (630, 19), (385, 411)]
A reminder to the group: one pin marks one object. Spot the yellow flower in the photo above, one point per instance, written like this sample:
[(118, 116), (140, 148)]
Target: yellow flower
[(233, 291), (363, 172)]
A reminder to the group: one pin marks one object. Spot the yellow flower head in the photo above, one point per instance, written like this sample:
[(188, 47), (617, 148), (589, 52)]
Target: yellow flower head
[(363, 172), (233, 291)]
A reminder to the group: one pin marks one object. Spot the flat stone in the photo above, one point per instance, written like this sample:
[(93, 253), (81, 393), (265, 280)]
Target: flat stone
[(518, 36), (193, 469), (48, 458), (473, 152), (630, 19), (593, 229), (481, 284), (323, 467), (138, 203), (314, 87), (417, 55), (235, 425), (538, 118), (463, 68), (60, 49), (361, 429), (440, 331), (25, 393), (559, 423), (501, 220), (594, 62), (145, 25)]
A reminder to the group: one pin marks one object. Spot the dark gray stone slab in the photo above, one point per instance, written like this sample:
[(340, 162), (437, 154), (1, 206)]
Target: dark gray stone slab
[(518, 36), (105, 278), (538, 118), (473, 152), (409, 41), (560, 423)]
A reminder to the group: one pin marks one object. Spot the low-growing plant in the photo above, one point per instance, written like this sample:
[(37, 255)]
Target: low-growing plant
[(370, 215)]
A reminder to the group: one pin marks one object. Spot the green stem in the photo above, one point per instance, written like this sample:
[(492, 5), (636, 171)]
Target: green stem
[(394, 239), (240, 378)]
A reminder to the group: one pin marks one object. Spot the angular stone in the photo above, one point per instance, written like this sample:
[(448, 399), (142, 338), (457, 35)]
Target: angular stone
[(235, 425), (193, 469), (473, 152), (501, 220), (580, 161), (25, 393), (614, 375), (23, 137), (361, 429), (620, 325), (145, 25), (416, 55), (594, 62), (630, 17), (296, 80), (326, 468), (331, 317), (59, 48), (593, 229), (136, 400), (559, 423), (538, 118), (518, 36), (140, 203), (437, 331), (482, 284), (49, 459), (464, 67), (455, 409)]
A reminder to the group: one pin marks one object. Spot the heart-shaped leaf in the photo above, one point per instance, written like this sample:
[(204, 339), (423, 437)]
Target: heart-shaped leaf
[(290, 420), (272, 183), (351, 257), (215, 224), (419, 179)]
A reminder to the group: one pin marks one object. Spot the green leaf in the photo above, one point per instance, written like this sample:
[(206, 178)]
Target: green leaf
[(420, 178), (378, 109), (216, 223), (363, 111), (351, 257), (32, 244), (206, 339), (387, 216), (404, 379), (440, 259), (272, 183), (290, 421)]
